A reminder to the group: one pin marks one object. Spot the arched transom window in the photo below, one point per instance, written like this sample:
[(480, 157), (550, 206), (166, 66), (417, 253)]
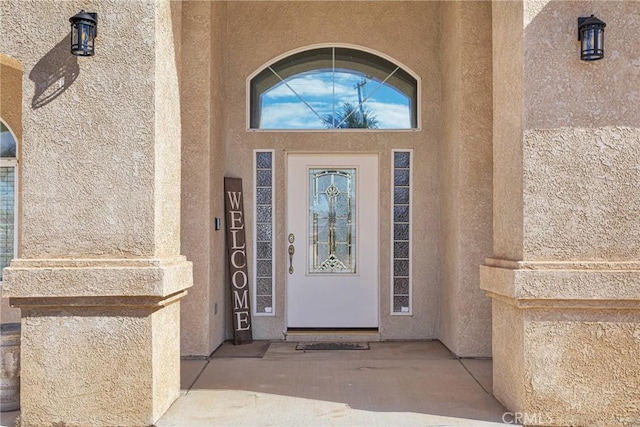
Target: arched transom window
[(333, 88)]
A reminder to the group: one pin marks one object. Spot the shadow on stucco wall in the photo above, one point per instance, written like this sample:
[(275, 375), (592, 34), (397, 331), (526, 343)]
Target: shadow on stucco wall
[(54, 73)]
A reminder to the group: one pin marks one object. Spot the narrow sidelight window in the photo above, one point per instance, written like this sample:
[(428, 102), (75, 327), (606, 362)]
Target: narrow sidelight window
[(401, 233), (264, 271), (8, 187)]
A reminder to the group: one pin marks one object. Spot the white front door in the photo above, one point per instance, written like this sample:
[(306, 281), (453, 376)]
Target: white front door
[(332, 241)]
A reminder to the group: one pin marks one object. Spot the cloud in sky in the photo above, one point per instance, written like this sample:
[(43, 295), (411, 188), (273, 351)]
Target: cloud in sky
[(391, 116), (289, 115), (315, 85), (325, 92)]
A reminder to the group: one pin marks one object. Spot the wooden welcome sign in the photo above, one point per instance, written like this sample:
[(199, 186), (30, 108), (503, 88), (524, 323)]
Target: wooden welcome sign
[(237, 259)]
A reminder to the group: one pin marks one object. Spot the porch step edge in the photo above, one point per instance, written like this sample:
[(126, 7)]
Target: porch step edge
[(332, 336)]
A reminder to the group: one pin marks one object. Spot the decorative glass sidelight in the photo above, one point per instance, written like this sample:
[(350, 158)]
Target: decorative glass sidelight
[(401, 232), (7, 215), (332, 220), (8, 193), (264, 272)]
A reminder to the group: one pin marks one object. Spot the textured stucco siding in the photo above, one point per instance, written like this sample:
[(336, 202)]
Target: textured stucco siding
[(508, 89), (279, 27), (466, 179), (86, 127), (581, 194), (581, 367), (568, 279), (86, 348), (218, 130), (203, 98), (197, 144), (99, 275)]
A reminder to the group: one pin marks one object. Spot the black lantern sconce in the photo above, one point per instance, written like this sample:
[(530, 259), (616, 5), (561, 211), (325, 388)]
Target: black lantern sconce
[(591, 36), (84, 29)]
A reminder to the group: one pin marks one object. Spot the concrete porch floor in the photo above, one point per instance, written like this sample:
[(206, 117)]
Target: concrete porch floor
[(392, 384)]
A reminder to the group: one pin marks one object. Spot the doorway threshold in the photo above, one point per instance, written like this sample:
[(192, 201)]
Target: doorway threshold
[(332, 335)]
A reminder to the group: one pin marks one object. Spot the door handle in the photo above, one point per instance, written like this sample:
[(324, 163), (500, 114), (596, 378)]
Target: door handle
[(292, 250)]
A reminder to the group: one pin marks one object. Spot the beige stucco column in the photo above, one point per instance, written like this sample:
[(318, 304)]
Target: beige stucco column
[(203, 61), (565, 275), (99, 276), (465, 176)]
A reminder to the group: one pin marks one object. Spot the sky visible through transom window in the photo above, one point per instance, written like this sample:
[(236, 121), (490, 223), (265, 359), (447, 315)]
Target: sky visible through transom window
[(333, 91)]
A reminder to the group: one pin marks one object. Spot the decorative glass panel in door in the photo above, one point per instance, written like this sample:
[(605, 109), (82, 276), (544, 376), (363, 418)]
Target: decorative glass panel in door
[(332, 203)]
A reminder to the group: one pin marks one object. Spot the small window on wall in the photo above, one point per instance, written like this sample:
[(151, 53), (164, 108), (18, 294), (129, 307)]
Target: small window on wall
[(333, 88), (8, 219)]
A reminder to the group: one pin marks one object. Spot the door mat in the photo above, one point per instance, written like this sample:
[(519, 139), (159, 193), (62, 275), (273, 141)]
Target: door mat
[(333, 346), (256, 349)]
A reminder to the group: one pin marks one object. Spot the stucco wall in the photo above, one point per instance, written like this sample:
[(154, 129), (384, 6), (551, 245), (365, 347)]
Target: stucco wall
[(202, 102), (99, 275), (271, 29), (465, 176), (571, 363), (582, 140), (196, 221), (582, 367), (86, 346), (508, 75), (219, 296), (449, 178), (508, 353), (569, 185), (167, 131), (581, 193), (585, 94), (461, 178), (567, 282), (114, 215)]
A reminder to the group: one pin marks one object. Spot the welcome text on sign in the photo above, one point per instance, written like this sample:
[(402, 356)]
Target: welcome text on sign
[(237, 258)]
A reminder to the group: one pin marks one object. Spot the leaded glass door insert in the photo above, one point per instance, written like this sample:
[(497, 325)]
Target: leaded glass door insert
[(331, 240), (332, 204)]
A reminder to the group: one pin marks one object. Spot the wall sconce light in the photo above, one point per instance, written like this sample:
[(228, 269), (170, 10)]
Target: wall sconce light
[(591, 36), (84, 29)]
